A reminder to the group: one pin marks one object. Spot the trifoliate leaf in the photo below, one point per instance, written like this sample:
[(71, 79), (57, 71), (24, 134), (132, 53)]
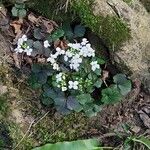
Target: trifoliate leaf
[(123, 83), (111, 95), (79, 31)]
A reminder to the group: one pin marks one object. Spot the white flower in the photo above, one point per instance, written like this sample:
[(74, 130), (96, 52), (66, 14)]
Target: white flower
[(84, 41), (54, 55), (60, 51), (46, 44), (64, 88), (18, 50), (75, 46), (55, 66), (24, 37), (73, 85), (94, 65), (69, 54), (65, 58), (20, 42), (59, 77), (28, 51), (51, 60), (75, 66)]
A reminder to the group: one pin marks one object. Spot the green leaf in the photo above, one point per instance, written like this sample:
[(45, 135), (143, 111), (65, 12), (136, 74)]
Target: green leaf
[(46, 100), (50, 93), (73, 104), (79, 31), (123, 83), (30, 43), (20, 5), (36, 68), (57, 34), (98, 71), (38, 34), (84, 98), (68, 31), (33, 81), (98, 83), (90, 144), (42, 78), (60, 101), (89, 110), (100, 61), (143, 140), (14, 11), (22, 13), (111, 95)]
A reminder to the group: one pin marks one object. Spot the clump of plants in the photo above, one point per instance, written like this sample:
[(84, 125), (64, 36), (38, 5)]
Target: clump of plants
[(69, 72)]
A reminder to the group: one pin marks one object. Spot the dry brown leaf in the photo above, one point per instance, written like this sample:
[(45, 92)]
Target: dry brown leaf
[(32, 18), (49, 25), (41, 60), (105, 75), (16, 60), (17, 27), (61, 43)]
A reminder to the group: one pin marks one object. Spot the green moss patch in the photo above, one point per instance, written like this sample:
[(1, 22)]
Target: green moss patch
[(111, 29)]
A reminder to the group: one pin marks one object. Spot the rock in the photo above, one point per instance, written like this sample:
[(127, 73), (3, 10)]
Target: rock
[(3, 89), (133, 56)]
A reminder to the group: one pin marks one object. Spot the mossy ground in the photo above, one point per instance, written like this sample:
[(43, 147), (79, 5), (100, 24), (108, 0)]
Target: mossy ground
[(21, 106)]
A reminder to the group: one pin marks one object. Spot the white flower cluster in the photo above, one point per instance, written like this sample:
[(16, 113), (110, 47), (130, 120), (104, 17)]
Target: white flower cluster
[(22, 46), (53, 57), (61, 82)]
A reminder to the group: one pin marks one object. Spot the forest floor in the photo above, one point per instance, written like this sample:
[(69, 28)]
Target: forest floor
[(25, 123)]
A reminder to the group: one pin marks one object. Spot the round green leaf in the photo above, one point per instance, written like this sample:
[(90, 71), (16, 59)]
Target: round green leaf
[(123, 83), (79, 31), (98, 83), (22, 13), (14, 11), (57, 34), (111, 95), (38, 34), (73, 104)]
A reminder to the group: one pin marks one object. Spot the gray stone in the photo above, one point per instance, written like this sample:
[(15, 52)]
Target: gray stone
[(134, 55)]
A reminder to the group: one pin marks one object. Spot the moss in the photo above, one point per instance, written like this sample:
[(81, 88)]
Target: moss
[(60, 128), (127, 1), (146, 3), (112, 29)]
